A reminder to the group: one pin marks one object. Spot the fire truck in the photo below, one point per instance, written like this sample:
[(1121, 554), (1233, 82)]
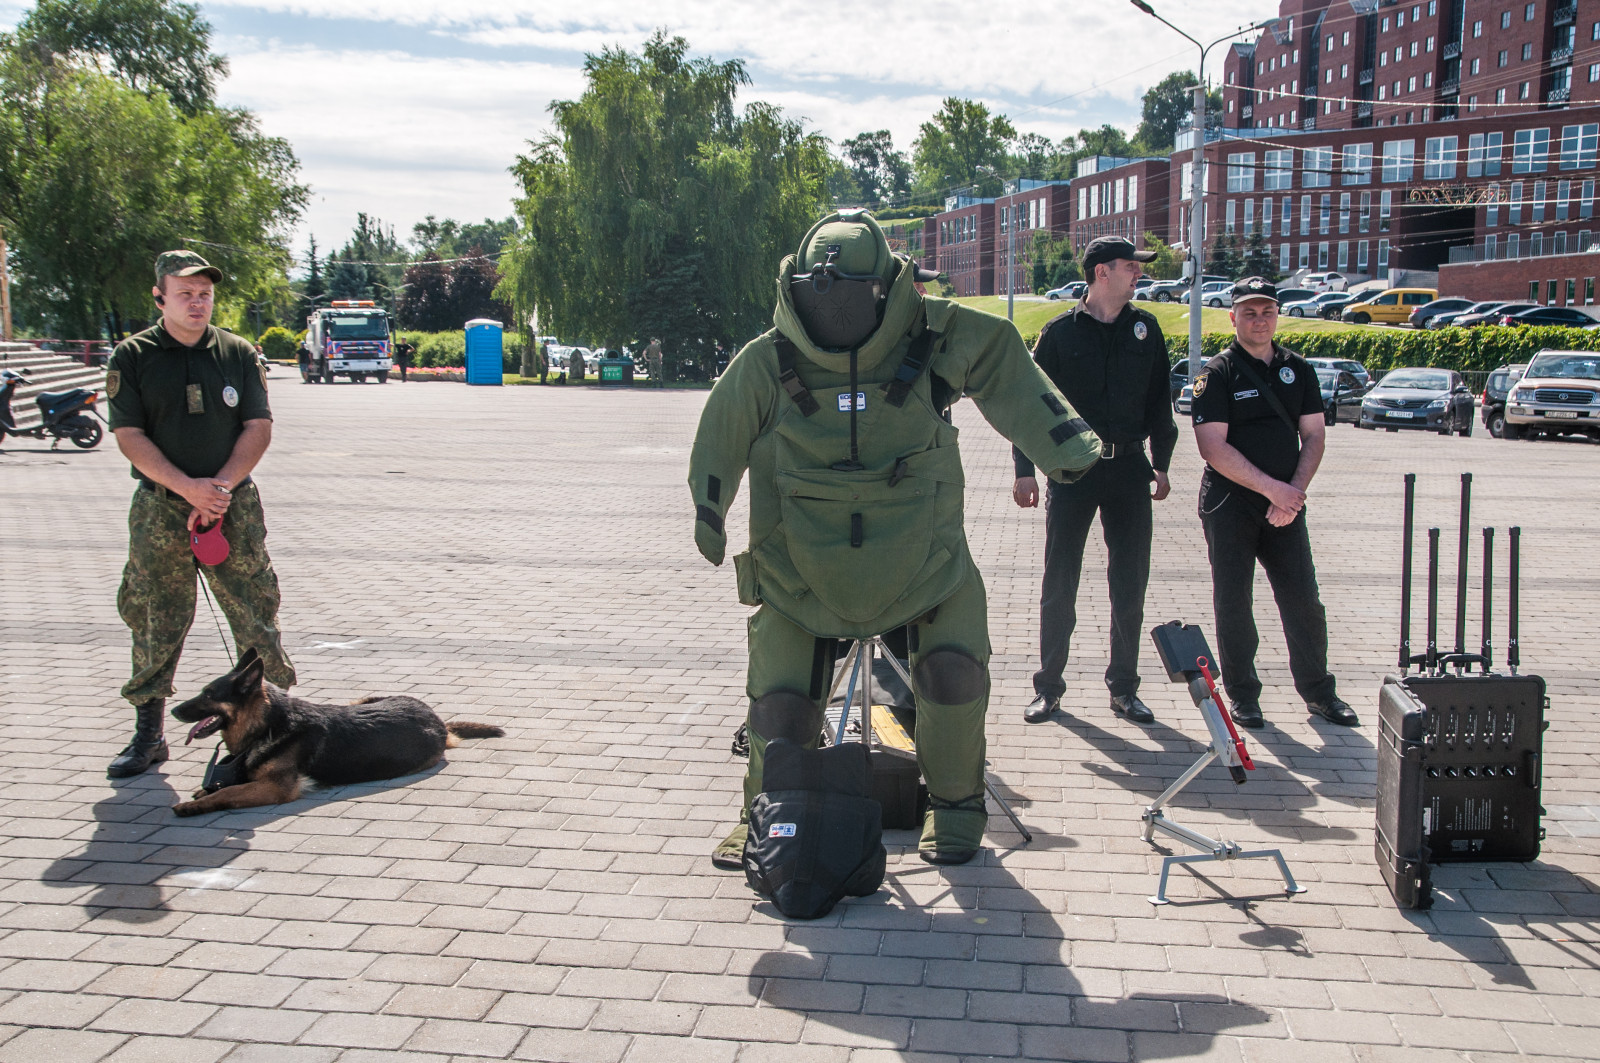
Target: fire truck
[(349, 337)]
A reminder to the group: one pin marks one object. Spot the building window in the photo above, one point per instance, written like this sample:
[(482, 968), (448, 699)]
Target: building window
[(1514, 211), (1385, 204), (1439, 159), (1280, 169), (1325, 213), (1364, 219), (1318, 168), (1357, 164), (1242, 172), (1344, 212), (1322, 255), (1304, 259), (1578, 144), (1383, 254), (1361, 256), (1530, 151), (1399, 156), (1344, 254)]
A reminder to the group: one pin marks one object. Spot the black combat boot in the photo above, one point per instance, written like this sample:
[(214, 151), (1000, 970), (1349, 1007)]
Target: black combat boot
[(148, 748)]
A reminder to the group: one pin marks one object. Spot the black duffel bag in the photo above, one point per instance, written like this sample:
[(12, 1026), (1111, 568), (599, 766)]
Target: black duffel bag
[(816, 834)]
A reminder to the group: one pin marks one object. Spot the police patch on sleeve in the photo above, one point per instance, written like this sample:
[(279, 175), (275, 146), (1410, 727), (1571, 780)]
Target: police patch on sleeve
[(1286, 374), (113, 384), (1200, 384), (1139, 330)]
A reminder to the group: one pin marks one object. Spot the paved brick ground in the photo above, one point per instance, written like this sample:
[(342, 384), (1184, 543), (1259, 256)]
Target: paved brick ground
[(523, 555)]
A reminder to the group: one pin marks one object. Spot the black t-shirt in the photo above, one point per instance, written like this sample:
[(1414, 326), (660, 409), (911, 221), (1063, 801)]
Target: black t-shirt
[(1224, 393)]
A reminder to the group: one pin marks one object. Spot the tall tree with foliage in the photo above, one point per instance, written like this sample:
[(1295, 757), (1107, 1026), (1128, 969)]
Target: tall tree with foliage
[(1168, 107), (962, 144), (100, 172), (657, 207), (880, 172)]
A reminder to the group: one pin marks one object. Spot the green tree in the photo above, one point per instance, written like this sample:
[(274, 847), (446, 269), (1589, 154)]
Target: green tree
[(657, 207), (881, 173), (963, 144), (1168, 107), (151, 45), (1167, 265)]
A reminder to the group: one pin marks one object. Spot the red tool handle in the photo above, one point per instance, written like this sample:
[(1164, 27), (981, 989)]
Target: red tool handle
[(1238, 743)]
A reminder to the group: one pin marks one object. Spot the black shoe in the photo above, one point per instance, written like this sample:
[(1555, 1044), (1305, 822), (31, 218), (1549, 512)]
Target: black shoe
[(1334, 711), (1248, 714), (148, 747), (1039, 710), (1130, 706)]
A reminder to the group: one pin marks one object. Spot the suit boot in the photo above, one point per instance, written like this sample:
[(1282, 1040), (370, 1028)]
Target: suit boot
[(148, 747)]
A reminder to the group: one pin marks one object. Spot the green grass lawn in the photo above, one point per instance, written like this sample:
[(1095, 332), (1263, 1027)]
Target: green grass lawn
[(1032, 316)]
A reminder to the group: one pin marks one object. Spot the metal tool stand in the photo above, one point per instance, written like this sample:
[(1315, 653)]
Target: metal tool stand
[(1222, 746), (857, 666)]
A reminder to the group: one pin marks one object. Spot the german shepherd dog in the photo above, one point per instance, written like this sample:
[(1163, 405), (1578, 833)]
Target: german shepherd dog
[(278, 742)]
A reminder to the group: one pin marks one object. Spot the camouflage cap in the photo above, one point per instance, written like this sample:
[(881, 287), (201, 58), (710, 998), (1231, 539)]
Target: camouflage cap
[(184, 264)]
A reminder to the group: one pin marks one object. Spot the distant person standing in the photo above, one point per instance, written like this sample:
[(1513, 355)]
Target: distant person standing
[(1258, 421), (189, 410), (402, 357), (1109, 359), (653, 360)]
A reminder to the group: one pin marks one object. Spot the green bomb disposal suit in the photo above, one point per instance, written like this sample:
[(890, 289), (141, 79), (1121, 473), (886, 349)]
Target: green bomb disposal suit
[(855, 553), (148, 386)]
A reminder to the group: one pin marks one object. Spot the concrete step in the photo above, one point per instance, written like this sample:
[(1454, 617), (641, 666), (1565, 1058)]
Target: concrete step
[(45, 371)]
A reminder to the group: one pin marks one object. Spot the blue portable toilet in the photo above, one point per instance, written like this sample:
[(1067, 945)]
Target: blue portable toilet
[(485, 351)]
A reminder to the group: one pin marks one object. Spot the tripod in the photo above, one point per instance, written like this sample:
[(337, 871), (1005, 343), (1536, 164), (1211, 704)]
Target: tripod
[(857, 666)]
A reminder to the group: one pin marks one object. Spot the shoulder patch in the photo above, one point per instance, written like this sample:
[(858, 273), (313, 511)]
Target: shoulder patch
[(113, 384), (1200, 383)]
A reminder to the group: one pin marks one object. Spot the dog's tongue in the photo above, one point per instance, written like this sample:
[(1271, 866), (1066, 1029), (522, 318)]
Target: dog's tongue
[(197, 729)]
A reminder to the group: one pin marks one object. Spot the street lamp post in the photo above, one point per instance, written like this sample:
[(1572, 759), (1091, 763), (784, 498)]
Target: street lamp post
[(1197, 229)]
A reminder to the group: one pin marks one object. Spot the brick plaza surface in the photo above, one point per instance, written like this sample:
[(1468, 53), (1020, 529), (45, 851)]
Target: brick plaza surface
[(525, 556)]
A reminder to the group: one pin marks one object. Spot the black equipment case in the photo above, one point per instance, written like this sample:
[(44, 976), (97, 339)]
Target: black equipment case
[(1459, 755)]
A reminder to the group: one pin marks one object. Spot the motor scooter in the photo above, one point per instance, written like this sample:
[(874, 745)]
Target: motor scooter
[(63, 414)]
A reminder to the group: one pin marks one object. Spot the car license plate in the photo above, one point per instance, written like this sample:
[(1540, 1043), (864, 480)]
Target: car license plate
[(1561, 413), (1403, 414)]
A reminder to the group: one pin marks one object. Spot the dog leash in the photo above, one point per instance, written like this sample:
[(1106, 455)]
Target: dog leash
[(215, 619)]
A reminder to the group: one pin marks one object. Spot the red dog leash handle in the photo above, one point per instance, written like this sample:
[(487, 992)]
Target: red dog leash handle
[(1238, 743)]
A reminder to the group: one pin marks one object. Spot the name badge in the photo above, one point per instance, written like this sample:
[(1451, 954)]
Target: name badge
[(1252, 393), (844, 402), (230, 396)]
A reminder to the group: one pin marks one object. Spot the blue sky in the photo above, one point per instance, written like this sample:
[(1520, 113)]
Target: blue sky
[(403, 108)]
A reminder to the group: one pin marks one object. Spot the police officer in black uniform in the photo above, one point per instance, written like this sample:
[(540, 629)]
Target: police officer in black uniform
[(1110, 361), (1258, 421)]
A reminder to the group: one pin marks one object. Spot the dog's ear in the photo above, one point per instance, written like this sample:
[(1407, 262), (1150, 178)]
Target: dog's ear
[(247, 677)]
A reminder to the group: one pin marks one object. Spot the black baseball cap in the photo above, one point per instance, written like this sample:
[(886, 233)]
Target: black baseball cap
[(1254, 288), (1109, 249)]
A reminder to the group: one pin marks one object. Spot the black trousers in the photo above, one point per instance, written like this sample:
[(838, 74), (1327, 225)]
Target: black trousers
[(1119, 490), (1237, 536)]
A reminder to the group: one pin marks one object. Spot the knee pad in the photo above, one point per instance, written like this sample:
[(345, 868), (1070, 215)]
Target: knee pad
[(785, 714), (950, 676)]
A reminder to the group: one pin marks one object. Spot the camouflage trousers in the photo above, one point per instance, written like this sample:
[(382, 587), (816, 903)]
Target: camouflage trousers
[(157, 596)]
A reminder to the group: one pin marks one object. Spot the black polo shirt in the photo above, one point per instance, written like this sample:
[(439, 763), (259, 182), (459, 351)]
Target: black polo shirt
[(147, 387), (1116, 376), (1224, 393)]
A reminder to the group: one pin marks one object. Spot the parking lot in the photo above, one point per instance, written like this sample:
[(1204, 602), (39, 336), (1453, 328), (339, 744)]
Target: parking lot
[(524, 555)]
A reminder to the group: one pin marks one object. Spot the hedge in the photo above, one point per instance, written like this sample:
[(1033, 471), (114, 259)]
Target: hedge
[(449, 349), (1461, 349)]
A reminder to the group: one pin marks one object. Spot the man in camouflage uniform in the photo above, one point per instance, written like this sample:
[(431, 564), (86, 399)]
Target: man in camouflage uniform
[(189, 410), (856, 524)]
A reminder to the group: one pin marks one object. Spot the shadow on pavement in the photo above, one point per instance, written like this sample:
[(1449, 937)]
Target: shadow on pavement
[(967, 962), (140, 852)]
